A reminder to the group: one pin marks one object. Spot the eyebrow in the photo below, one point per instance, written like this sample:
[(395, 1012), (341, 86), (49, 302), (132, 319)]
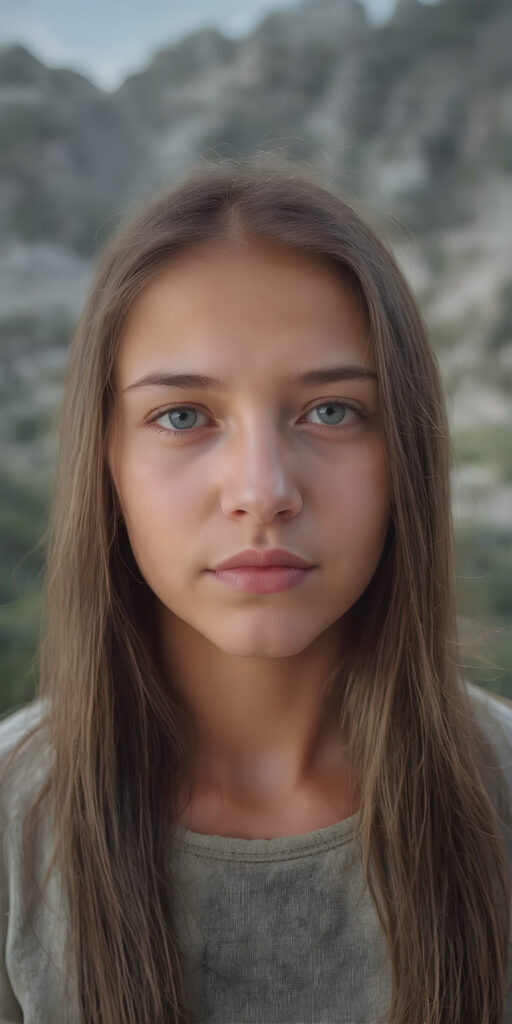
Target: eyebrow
[(329, 375)]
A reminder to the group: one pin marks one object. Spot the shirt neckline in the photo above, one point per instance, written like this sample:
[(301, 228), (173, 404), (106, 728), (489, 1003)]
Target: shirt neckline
[(279, 847)]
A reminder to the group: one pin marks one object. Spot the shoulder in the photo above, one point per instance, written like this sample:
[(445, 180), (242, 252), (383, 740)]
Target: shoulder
[(16, 724), (22, 771), (33, 908), (494, 715), (493, 710)]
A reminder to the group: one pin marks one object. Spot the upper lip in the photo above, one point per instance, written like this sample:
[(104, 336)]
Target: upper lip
[(261, 559)]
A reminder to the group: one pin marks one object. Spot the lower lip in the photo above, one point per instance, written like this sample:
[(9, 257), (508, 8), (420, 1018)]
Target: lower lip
[(271, 580)]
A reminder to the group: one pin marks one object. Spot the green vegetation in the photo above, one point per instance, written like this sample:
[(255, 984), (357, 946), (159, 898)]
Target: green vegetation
[(489, 445), (23, 517), (501, 333), (484, 602)]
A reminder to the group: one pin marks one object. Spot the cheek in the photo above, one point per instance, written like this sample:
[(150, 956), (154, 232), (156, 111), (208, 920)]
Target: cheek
[(376, 500), (357, 514), (357, 501), (160, 508)]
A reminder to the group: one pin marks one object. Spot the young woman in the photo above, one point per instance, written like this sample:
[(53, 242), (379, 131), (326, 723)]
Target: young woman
[(258, 791)]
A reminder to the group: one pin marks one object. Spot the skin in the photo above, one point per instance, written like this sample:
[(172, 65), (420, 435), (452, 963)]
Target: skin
[(255, 465)]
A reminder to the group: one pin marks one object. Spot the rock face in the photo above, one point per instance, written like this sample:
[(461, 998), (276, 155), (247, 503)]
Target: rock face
[(67, 150), (413, 113), (411, 119)]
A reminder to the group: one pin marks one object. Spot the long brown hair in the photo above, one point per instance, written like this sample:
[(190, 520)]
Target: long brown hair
[(435, 858)]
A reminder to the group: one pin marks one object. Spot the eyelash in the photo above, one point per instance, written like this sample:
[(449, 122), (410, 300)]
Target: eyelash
[(328, 401)]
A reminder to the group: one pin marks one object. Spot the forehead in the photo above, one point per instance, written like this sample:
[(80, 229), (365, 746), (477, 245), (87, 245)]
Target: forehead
[(254, 307)]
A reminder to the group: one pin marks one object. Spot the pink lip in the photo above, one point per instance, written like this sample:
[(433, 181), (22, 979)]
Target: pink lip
[(269, 580), (263, 559)]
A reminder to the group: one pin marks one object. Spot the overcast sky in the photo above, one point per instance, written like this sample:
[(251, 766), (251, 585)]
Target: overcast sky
[(107, 39)]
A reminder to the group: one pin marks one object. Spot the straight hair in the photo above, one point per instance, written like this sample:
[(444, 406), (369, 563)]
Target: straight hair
[(430, 825)]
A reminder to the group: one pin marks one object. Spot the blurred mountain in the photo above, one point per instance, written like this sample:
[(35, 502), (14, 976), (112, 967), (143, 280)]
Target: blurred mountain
[(415, 112), (411, 119), (67, 151)]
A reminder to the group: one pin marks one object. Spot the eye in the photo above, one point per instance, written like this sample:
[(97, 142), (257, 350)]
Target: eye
[(329, 410), (179, 416)]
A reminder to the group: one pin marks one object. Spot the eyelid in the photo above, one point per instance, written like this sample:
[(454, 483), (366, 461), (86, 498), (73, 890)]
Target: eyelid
[(360, 411), (349, 402), (171, 408)]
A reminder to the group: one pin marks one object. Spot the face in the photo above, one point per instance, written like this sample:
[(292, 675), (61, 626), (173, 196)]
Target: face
[(264, 460)]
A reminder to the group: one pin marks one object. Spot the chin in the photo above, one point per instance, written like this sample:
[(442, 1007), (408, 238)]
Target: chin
[(270, 647)]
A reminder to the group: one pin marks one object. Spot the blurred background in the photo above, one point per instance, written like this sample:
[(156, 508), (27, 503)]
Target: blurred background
[(405, 106)]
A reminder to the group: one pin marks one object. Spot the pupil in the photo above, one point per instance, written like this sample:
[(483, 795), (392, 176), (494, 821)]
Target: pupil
[(329, 409), (180, 414)]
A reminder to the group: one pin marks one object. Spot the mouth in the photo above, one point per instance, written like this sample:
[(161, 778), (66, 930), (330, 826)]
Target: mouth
[(270, 579)]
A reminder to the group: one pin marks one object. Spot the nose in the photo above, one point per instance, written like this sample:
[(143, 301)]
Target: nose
[(258, 477)]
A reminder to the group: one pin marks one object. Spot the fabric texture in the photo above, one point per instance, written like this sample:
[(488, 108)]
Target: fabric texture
[(270, 930)]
